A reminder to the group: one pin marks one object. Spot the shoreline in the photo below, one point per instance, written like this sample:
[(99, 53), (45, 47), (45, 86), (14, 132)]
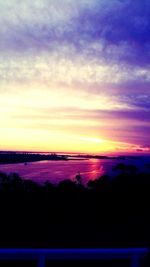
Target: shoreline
[(17, 158), (26, 163)]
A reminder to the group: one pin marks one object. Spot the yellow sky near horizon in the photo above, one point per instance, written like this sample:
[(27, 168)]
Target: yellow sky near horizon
[(45, 120)]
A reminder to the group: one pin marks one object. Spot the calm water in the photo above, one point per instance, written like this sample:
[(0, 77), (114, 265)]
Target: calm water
[(56, 171)]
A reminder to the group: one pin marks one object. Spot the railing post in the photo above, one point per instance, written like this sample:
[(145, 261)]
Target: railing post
[(135, 261), (41, 262)]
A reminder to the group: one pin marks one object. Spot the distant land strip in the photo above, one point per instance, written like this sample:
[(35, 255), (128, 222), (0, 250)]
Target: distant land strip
[(9, 158), (25, 157)]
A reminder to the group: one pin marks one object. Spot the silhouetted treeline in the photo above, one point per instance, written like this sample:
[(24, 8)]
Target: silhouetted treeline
[(6, 158), (107, 213)]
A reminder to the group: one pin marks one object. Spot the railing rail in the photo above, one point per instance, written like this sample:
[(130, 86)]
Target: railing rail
[(134, 254)]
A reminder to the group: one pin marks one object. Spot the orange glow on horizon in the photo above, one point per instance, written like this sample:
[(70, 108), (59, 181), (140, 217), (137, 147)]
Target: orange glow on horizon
[(49, 141)]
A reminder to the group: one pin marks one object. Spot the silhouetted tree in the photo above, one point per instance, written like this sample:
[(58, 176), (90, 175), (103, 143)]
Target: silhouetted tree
[(78, 178)]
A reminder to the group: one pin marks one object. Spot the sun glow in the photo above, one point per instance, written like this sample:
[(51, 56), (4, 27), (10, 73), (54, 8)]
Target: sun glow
[(91, 139)]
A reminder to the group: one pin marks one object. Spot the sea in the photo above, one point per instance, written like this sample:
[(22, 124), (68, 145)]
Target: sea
[(59, 170)]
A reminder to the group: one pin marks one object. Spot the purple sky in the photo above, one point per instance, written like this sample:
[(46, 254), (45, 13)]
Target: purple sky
[(75, 75)]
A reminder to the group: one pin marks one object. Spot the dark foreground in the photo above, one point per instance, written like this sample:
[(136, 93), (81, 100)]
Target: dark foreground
[(108, 213), (79, 256)]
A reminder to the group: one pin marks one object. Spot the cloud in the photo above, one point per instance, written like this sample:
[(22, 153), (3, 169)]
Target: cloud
[(38, 25), (115, 30), (122, 27), (91, 58)]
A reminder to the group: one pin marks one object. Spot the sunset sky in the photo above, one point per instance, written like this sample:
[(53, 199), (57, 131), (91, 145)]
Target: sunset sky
[(75, 75)]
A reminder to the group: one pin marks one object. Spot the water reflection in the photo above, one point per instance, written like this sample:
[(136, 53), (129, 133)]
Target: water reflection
[(56, 171), (94, 170)]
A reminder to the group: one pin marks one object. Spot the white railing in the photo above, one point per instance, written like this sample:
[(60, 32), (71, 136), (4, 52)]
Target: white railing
[(41, 255)]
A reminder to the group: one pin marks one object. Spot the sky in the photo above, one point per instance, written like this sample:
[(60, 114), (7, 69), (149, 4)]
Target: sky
[(75, 75)]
